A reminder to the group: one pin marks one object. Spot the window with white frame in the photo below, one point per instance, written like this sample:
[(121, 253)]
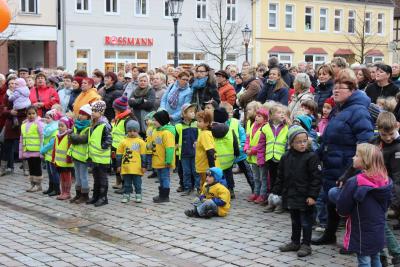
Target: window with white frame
[(373, 59), (112, 6), (284, 58), (338, 20), (141, 7), (323, 19), (309, 14), (289, 17), (83, 59), (201, 9), (82, 5), (231, 10), (187, 59), (316, 60), (273, 16), (352, 22), (29, 6), (367, 22), (166, 9), (380, 29)]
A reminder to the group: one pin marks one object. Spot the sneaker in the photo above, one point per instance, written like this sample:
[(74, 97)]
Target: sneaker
[(125, 198), (259, 200), (252, 197), (192, 213), (138, 198), (180, 189), (304, 250), (279, 210), (26, 172), (289, 247)]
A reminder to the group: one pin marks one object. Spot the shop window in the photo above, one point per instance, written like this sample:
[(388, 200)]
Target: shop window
[(323, 19), (201, 9), (82, 6), (316, 60), (115, 60), (273, 16), (186, 59), (112, 7), (29, 6), (82, 59), (231, 10), (141, 7), (352, 21), (284, 58), (309, 17)]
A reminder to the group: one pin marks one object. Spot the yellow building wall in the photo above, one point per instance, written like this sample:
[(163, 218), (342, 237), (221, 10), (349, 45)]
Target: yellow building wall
[(299, 39), (47, 13)]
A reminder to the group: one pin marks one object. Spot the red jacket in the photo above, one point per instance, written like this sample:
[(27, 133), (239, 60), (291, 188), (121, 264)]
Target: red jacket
[(47, 95), (3, 91), (227, 93)]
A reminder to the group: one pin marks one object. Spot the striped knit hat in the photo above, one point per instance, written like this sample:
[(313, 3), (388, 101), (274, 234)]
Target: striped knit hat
[(121, 103), (295, 130)]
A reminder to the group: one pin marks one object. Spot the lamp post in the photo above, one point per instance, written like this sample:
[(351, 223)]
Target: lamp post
[(246, 39), (175, 9)]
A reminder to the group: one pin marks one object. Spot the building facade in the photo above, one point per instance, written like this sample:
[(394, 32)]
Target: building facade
[(317, 30), (108, 34), (31, 39)]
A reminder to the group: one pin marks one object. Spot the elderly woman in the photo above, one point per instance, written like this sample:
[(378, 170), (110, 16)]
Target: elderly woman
[(42, 96), (142, 100), (204, 86), (383, 86), (159, 87), (302, 93), (176, 96), (350, 123), (274, 88), (87, 96)]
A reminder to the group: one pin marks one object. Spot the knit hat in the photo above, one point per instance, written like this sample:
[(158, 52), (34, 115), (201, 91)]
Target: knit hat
[(305, 121), (20, 82), (132, 125), (121, 103), (149, 116), (98, 106), (295, 130), (86, 110), (67, 121), (187, 106), (162, 117), (263, 112), (330, 101), (54, 114), (218, 175), (78, 79), (220, 115)]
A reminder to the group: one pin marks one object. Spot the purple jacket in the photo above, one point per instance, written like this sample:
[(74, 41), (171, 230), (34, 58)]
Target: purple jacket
[(20, 98)]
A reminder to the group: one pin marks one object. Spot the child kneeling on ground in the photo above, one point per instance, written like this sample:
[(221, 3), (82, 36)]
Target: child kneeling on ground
[(215, 197)]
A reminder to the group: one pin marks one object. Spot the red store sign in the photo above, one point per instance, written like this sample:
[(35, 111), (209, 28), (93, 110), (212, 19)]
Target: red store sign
[(128, 41)]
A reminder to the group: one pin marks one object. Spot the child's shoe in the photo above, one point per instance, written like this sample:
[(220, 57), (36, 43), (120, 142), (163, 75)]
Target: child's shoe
[(252, 198), (186, 193), (270, 208), (138, 198), (232, 193), (126, 198), (289, 247), (304, 250), (32, 188), (179, 189), (38, 188), (279, 209), (192, 213), (153, 175), (259, 200)]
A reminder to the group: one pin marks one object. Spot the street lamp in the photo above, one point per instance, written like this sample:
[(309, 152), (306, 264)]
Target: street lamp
[(246, 39), (175, 9)]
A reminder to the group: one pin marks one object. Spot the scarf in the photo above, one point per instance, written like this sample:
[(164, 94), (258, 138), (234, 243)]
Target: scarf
[(122, 115), (139, 92), (199, 83), (81, 124), (173, 97)]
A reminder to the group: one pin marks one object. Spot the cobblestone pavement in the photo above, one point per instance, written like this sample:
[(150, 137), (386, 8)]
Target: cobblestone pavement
[(36, 230)]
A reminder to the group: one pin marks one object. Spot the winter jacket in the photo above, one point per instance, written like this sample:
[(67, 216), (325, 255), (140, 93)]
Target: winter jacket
[(159, 94), (47, 95), (185, 95), (365, 203), (65, 95), (141, 106), (251, 89), (3, 91), (84, 98), (299, 177), (220, 130), (295, 105), (349, 124), (204, 94), (242, 141), (48, 131), (374, 91), (227, 93), (74, 95), (11, 132), (323, 122), (285, 74), (189, 137), (322, 92), (130, 88), (108, 95), (106, 139), (20, 98), (268, 92)]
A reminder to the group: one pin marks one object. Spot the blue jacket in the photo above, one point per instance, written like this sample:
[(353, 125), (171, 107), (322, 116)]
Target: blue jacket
[(267, 93), (185, 96), (365, 203), (322, 92), (349, 124), (242, 141)]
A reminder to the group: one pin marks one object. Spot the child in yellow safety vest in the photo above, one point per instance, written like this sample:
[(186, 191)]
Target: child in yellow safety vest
[(61, 160), (149, 142), (78, 151), (30, 141), (49, 135), (276, 137)]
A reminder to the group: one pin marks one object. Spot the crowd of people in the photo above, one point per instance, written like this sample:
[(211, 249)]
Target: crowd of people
[(319, 143)]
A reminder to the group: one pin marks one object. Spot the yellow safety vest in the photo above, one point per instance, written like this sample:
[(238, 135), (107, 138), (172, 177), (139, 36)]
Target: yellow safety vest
[(30, 138), (61, 148), (48, 154), (248, 127), (96, 152), (275, 147), (179, 130), (225, 151), (254, 139), (118, 132), (80, 151)]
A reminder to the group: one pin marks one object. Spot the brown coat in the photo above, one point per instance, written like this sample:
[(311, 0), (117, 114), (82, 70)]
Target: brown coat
[(250, 93)]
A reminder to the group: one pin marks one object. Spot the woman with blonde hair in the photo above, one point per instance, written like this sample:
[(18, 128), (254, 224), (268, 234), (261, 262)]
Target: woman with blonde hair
[(274, 88)]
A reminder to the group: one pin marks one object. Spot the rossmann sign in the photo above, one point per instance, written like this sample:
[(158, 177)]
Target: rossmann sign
[(128, 41)]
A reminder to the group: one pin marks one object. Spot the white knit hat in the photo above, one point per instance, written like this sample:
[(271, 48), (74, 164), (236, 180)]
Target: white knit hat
[(86, 110)]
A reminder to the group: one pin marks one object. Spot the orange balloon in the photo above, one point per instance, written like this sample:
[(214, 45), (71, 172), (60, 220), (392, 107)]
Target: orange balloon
[(5, 15)]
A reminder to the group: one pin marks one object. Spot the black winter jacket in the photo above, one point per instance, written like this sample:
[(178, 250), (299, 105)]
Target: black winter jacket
[(204, 94), (109, 95), (322, 92), (299, 177), (374, 91)]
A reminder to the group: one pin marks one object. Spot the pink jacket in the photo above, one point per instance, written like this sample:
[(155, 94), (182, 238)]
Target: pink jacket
[(322, 125), (23, 154), (259, 149)]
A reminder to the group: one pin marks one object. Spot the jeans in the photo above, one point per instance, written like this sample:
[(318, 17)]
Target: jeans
[(228, 174), (128, 180), (206, 207), (189, 171), (321, 213), (333, 194), (245, 167), (54, 177), (391, 242), (10, 147), (369, 261), (302, 220), (260, 180), (164, 177), (81, 176), (149, 158)]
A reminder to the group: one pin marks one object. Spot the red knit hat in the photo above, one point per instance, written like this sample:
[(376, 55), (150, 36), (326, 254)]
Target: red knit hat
[(330, 101), (121, 103), (263, 112)]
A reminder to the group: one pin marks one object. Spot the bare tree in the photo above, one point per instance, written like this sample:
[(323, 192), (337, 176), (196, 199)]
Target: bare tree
[(219, 36)]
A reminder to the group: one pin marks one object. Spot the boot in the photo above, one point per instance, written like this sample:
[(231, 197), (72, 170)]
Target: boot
[(50, 189), (304, 250), (270, 208), (252, 197), (77, 195), (325, 239), (279, 209), (192, 213), (103, 200), (25, 166), (38, 187), (3, 168), (95, 196), (118, 182), (138, 198), (153, 175), (56, 190), (82, 199), (163, 195), (232, 193), (32, 188), (289, 247), (119, 191)]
